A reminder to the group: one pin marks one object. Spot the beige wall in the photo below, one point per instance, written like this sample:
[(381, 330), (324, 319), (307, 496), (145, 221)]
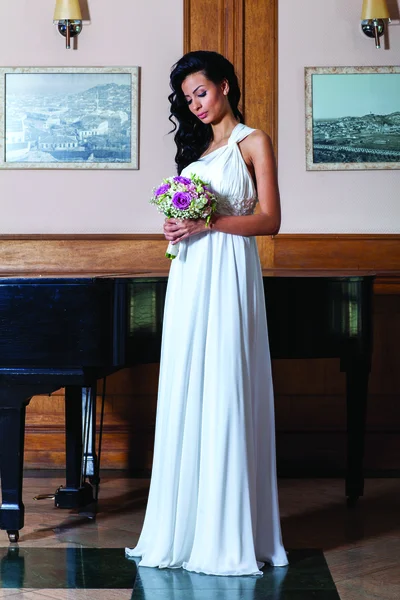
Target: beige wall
[(327, 33), (149, 34), (122, 32)]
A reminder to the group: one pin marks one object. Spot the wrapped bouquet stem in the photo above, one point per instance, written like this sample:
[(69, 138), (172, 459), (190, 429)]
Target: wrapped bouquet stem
[(184, 198), (172, 250)]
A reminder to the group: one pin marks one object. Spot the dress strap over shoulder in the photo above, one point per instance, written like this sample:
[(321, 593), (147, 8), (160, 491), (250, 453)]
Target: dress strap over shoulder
[(238, 134)]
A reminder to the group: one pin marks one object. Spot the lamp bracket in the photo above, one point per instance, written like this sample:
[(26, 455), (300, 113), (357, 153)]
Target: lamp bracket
[(373, 28), (75, 27)]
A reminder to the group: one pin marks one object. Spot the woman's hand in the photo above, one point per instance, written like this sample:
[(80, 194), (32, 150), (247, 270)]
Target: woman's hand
[(176, 230)]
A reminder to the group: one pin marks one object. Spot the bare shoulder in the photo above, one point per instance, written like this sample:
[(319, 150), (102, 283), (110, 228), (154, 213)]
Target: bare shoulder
[(257, 144)]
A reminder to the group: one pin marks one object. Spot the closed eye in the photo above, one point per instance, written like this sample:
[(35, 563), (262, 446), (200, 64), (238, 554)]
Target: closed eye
[(189, 102)]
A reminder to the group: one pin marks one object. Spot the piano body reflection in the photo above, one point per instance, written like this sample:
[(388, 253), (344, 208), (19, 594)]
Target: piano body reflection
[(71, 332)]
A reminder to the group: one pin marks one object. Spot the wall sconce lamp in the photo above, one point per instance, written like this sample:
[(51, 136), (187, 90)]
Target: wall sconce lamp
[(68, 16), (372, 15)]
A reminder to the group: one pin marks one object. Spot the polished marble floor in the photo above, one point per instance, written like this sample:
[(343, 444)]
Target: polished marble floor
[(65, 555), (93, 569)]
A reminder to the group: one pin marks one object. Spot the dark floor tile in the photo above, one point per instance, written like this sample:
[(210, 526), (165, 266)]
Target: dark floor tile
[(307, 570), (88, 568), (306, 578)]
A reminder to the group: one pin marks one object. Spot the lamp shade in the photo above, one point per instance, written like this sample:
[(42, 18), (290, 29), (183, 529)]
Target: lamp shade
[(67, 10), (374, 9)]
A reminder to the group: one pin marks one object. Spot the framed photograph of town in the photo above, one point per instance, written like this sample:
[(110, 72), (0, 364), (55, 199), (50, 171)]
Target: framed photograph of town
[(69, 118), (352, 118)]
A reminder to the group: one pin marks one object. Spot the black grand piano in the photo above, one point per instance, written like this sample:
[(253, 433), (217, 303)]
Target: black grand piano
[(71, 332)]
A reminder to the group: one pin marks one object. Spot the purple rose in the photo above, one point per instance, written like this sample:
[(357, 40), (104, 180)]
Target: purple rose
[(184, 180), (162, 189), (181, 200)]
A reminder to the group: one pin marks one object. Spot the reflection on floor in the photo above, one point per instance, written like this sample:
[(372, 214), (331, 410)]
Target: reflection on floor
[(306, 577), (58, 568), (69, 556), (107, 568)]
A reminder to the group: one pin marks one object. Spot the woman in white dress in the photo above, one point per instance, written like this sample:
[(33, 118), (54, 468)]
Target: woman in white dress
[(213, 502)]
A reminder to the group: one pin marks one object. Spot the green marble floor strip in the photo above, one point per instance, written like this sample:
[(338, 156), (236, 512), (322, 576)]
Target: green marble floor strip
[(62, 568), (306, 578)]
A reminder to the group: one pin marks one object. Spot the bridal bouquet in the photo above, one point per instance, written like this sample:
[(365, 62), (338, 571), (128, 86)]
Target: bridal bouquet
[(184, 198)]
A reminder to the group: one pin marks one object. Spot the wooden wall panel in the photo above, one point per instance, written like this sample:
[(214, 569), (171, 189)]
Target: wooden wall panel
[(224, 30), (245, 31), (197, 36), (376, 252), (260, 66), (82, 255), (141, 255)]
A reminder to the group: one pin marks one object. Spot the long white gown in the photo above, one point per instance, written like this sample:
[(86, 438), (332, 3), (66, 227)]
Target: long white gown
[(213, 502)]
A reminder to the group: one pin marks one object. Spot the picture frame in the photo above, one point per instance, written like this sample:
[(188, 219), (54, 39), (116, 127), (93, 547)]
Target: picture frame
[(352, 118), (69, 117)]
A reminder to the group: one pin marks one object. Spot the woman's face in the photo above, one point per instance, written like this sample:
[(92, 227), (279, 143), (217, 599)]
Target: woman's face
[(207, 100)]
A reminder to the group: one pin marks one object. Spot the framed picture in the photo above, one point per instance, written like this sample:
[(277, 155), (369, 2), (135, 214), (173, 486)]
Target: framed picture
[(352, 118), (69, 118)]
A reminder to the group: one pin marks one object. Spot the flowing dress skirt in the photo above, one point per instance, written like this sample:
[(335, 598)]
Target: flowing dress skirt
[(213, 505)]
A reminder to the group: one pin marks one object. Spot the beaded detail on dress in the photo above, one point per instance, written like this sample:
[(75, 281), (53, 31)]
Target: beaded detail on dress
[(235, 206)]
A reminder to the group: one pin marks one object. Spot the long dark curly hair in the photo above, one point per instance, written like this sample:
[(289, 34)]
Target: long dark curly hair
[(193, 137)]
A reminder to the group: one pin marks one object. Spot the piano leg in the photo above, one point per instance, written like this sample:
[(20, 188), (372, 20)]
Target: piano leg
[(12, 431), (77, 493), (357, 394)]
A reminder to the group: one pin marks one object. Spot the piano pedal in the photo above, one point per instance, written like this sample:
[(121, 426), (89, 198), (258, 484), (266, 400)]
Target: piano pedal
[(47, 496), (44, 497)]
